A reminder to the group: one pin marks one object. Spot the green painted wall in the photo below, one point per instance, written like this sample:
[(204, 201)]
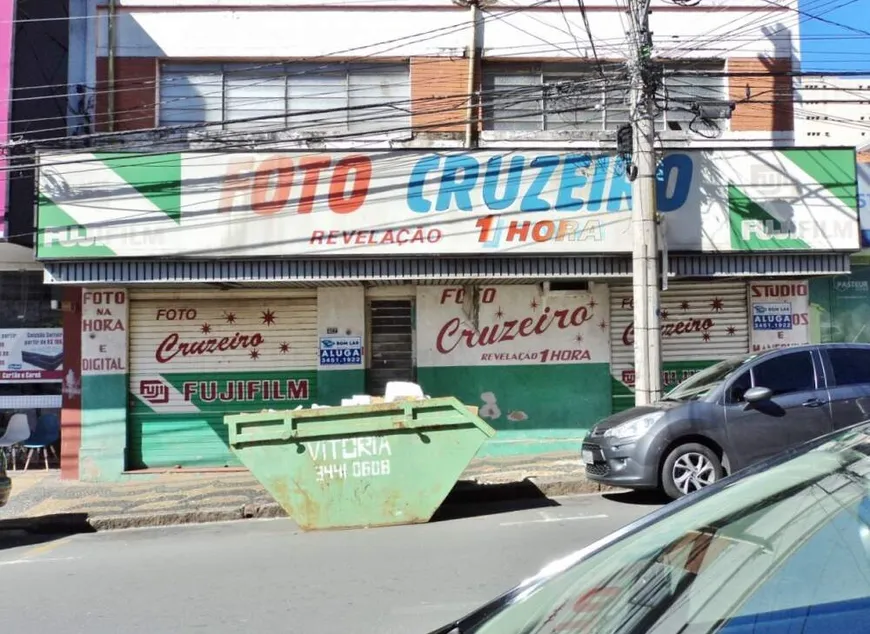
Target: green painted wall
[(334, 385), (198, 438), (541, 407), (104, 427)]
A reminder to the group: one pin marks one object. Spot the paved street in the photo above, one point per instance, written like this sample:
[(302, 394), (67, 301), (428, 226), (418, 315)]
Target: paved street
[(267, 576)]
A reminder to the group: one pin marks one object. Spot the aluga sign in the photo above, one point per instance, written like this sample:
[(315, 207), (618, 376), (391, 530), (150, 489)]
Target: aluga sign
[(414, 203)]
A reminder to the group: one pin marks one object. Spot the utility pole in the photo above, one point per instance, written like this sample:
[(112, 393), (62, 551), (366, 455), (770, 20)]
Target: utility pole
[(645, 251)]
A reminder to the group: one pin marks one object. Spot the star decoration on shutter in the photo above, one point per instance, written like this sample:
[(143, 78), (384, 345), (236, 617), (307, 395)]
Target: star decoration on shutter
[(684, 306), (268, 317), (230, 317), (534, 304), (284, 348), (255, 354), (205, 328), (603, 325), (499, 314), (592, 303), (706, 336), (731, 330), (717, 305), (665, 314), (579, 338)]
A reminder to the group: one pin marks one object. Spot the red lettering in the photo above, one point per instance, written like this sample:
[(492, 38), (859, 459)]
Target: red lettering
[(518, 230), (543, 230), (280, 169), (447, 330), (316, 237), (311, 167), (172, 346), (339, 200)]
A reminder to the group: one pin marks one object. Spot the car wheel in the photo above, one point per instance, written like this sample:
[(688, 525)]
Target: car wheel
[(688, 468)]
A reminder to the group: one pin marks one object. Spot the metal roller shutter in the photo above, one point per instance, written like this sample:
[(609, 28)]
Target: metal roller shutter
[(195, 358), (702, 322)]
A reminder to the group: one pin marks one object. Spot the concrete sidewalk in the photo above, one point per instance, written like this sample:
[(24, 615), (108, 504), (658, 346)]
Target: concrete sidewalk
[(42, 501)]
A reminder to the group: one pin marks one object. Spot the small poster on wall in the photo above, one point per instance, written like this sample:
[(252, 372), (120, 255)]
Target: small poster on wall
[(779, 314), (341, 351), (31, 355)]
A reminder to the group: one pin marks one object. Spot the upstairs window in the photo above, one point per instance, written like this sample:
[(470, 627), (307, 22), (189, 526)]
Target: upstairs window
[(268, 97), (584, 97)]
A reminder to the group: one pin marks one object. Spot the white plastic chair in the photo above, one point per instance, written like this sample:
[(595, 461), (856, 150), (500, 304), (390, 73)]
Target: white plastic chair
[(17, 431)]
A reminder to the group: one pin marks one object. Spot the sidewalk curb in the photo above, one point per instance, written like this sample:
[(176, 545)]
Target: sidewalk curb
[(466, 492)]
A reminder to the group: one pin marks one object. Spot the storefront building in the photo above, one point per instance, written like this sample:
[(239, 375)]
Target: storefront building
[(215, 283)]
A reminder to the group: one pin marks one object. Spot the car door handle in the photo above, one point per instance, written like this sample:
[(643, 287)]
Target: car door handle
[(814, 402)]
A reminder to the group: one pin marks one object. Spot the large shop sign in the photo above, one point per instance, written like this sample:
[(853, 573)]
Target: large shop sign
[(416, 202), (29, 355)]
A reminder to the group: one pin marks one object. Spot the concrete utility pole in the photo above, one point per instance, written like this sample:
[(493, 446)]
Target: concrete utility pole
[(645, 260)]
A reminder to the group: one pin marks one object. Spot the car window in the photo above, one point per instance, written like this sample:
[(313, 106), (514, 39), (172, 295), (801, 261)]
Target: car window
[(739, 386), (851, 367), (786, 374)]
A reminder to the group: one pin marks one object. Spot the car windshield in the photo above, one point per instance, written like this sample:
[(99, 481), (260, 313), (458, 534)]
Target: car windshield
[(785, 550), (699, 385)]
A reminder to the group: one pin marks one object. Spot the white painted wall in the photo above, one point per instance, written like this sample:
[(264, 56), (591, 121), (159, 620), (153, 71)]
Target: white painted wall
[(832, 111), (341, 313), (288, 32)]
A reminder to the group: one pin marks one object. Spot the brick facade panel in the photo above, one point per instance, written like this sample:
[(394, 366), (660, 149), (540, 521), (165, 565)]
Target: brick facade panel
[(765, 103), (135, 93), (438, 89)]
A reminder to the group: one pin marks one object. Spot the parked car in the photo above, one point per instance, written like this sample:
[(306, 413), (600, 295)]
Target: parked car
[(730, 416), (5, 482), (782, 547)]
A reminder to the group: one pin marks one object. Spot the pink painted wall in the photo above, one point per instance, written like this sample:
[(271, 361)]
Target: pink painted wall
[(7, 31)]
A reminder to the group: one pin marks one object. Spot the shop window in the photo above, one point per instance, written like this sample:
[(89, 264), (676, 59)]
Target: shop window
[(25, 302)]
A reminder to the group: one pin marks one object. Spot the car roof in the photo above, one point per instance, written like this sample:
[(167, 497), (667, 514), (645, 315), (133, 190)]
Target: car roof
[(813, 346)]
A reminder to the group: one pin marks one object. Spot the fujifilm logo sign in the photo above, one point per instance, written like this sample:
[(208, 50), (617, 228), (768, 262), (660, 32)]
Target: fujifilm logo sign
[(79, 236), (805, 229)]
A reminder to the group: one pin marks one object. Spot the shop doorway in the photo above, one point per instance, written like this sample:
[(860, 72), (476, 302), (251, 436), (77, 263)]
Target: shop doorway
[(391, 343)]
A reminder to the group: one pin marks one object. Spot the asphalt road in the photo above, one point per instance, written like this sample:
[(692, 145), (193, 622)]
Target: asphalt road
[(257, 576)]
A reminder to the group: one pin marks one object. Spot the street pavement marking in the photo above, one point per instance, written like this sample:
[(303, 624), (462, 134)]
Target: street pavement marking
[(26, 560), (550, 520), (47, 547)]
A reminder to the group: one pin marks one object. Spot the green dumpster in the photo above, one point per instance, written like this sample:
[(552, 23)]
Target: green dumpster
[(364, 465)]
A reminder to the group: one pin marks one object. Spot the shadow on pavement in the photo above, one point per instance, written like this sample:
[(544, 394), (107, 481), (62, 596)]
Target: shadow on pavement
[(28, 531), (469, 499), (637, 498)]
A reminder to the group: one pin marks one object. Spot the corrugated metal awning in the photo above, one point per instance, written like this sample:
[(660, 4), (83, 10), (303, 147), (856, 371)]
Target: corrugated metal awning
[(430, 270), (332, 272)]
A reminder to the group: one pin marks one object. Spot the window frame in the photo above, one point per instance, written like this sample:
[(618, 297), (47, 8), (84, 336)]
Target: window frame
[(493, 69), (224, 71), (833, 382), (817, 383)]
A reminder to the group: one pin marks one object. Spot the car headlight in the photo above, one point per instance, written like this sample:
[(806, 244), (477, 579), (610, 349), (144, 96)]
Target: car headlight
[(634, 428)]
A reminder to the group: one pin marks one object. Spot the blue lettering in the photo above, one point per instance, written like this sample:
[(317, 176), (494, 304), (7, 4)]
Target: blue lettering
[(512, 187), (682, 181), (416, 202), (572, 180), (599, 180), (532, 201), (620, 188), (454, 188)]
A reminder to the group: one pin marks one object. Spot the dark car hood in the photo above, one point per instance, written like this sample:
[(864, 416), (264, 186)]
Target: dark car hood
[(634, 412)]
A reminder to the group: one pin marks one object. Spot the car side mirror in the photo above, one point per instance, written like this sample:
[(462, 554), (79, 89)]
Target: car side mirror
[(757, 394)]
